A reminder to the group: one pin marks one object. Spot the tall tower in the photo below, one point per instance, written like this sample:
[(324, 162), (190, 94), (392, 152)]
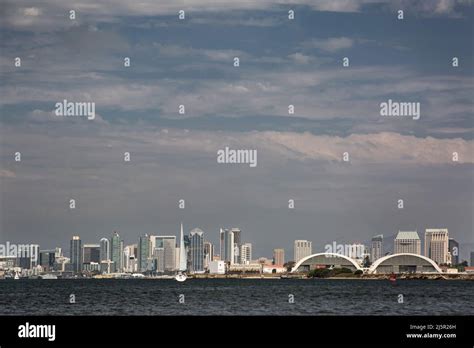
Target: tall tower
[(182, 252), (437, 244), (75, 253)]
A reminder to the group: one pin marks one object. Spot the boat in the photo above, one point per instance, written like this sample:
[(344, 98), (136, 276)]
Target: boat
[(393, 278), (16, 277), (181, 276)]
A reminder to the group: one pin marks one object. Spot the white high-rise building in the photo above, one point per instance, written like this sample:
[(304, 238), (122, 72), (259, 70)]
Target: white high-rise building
[(302, 249), (208, 254), (437, 245), (407, 242), (246, 253)]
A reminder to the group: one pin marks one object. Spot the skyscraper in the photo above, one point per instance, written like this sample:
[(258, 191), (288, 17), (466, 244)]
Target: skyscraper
[(454, 251), (237, 242), (130, 258), (183, 262), (227, 246), (143, 252), (472, 258), (437, 245), (278, 257), (76, 254), (407, 242), (196, 237), (104, 249), (116, 252), (376, 248), (302, 248), (167, 246), (245, 253), (47, 259), (208, 254), (91, 253)]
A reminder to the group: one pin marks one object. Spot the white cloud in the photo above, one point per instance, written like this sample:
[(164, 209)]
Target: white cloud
[(332, 44)]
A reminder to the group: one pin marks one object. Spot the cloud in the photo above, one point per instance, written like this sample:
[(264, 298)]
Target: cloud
[(332, 44), (300, 58), (372, 148)]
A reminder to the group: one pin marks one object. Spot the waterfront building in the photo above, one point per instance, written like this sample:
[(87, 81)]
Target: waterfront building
[(76, 254), (302, 248), (104, 249), (453, 247), (237, 242), (91, 253), (165, 249), (143, 252), (130, 258), (407, 242), (226, 245), (245, 253), (197, 250), (208, 254), (437, 245), (217, 267), (47, 259), (116, 251), (376, 248), (278, 257)]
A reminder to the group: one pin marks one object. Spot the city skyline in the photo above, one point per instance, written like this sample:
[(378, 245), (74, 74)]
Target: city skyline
[(130, 166)]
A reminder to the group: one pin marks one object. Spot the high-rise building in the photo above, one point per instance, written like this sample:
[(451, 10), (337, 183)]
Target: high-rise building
[(376, 248), (454, 251), (183, 263), (302, 248), (208, 254), (104, 249), (47, 259), (472, 258), (237, 235), (165, 248), (91, 253), (76, 254), (196, 237), (130, 258), (227, 250), (143, 252), (246, 253), (116, 252), (437, 245), (407, 242), (237, 242), (278, 257)]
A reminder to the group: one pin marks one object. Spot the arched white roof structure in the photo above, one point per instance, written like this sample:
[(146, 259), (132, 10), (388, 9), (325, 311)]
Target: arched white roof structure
[(374, 266), (335, 255)]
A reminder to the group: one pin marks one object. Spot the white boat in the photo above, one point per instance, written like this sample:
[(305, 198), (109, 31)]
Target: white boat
[(16, 276), (181, 276)]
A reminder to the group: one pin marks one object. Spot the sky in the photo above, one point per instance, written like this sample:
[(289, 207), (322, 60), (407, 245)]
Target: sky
[(190, 62)]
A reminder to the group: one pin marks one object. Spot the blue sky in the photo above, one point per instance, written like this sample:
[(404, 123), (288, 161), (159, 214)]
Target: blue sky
[(283, 62)]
